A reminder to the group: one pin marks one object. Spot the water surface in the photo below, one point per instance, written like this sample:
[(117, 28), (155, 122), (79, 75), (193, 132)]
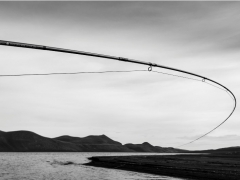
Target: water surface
[(65, 166)]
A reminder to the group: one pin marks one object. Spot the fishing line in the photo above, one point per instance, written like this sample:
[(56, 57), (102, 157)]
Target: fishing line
[(203, 79), (176, 75), (70, 73), (215, 86)]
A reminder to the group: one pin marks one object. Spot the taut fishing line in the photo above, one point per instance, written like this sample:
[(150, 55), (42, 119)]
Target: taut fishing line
[(203, 79)]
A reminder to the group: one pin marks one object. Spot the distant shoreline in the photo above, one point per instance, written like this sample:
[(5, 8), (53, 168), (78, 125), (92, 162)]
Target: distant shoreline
[(204, 166)]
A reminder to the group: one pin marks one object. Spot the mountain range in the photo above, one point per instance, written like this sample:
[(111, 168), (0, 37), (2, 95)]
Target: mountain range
[(26, 141)]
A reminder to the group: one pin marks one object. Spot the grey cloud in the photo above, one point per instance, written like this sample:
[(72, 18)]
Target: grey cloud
[(200, 25)]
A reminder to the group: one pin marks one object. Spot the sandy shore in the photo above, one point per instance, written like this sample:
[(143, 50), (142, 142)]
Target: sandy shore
[(212, 166)]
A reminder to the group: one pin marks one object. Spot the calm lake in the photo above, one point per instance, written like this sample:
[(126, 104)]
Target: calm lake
[(51, 166)]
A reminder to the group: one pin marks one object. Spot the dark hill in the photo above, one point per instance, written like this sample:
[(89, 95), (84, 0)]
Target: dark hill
[(102, 139), (26, 141), (29, 141), (146, 147), (228, 150)]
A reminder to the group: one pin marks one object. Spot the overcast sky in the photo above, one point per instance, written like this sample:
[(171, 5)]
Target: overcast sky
[(200, 37)]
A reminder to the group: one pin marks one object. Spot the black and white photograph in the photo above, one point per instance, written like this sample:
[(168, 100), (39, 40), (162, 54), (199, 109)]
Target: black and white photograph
[(119, 90)]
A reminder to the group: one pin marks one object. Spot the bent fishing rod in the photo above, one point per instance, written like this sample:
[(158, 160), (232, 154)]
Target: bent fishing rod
[(204, 79)]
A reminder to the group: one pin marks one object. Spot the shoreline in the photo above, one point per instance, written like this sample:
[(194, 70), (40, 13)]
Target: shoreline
[(199, 166)]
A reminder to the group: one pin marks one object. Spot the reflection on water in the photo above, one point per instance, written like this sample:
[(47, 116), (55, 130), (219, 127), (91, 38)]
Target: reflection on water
[(64, 166)]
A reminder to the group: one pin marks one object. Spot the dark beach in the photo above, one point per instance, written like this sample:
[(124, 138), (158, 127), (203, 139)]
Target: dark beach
[(194, 166)]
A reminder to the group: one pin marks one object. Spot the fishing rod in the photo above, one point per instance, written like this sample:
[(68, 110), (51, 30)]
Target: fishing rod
[(48, 48)]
